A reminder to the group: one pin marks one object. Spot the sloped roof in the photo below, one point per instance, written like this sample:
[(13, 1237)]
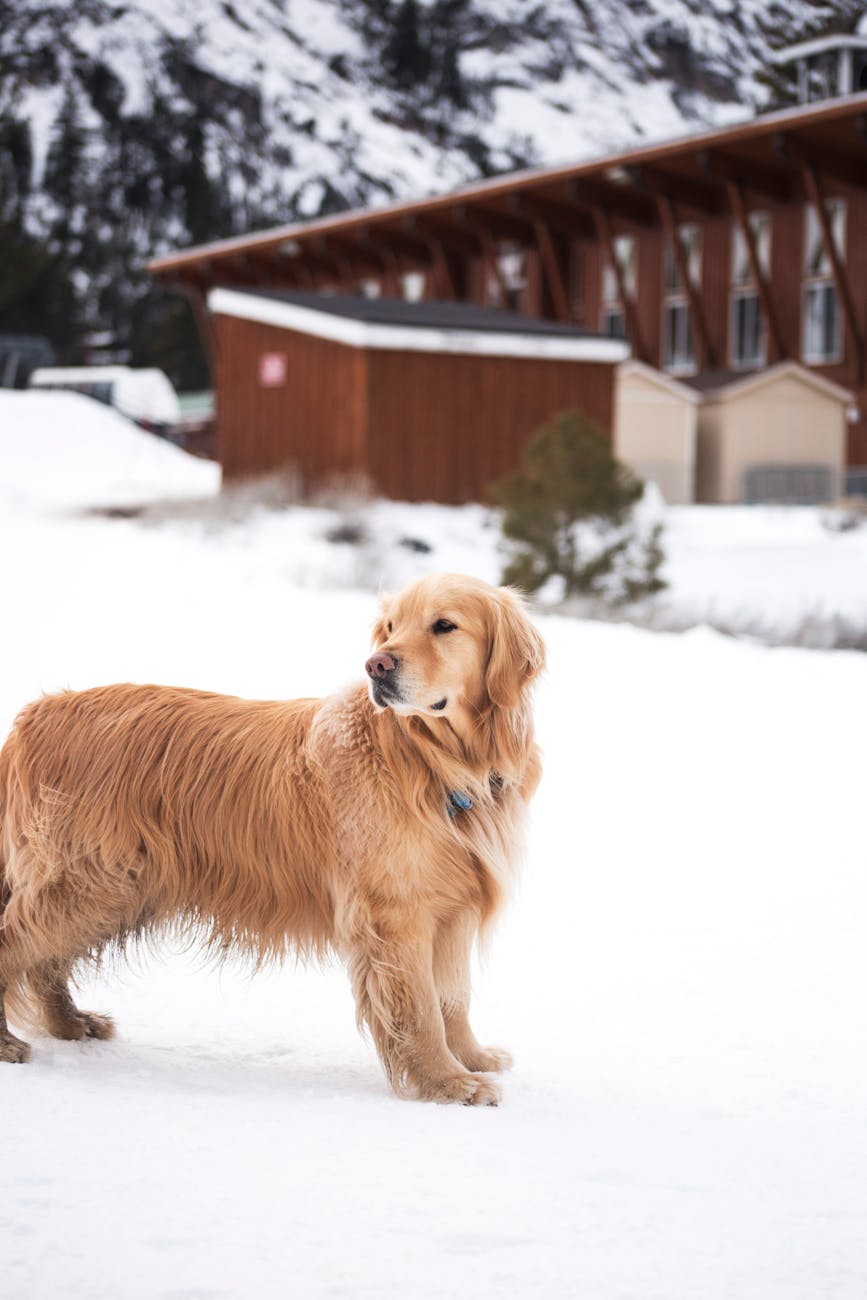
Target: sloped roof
[(394, 325), (421, 314), (721, 385)]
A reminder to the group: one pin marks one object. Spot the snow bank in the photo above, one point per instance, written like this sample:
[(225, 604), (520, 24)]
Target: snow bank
[(65, 451), (771, 573)]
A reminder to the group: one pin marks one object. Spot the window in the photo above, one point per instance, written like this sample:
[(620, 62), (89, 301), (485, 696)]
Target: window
[(747, 332), (678, 344), (821, 332), (507, 288), (613, 313), (412, 285)]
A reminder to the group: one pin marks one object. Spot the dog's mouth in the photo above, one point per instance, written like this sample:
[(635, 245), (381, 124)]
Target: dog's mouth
[(384, 693)]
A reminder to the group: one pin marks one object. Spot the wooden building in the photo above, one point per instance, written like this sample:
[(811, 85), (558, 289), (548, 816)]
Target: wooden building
[(419, 400), (731, 250)]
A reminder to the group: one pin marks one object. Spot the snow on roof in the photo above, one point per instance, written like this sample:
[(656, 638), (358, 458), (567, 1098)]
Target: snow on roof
[(397, 325)]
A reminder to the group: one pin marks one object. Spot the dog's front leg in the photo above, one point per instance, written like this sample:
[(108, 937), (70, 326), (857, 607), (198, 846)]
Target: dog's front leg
[(452, 952), (396, 997)]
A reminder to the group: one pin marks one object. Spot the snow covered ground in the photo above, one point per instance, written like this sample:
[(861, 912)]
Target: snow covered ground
[(680, 978)]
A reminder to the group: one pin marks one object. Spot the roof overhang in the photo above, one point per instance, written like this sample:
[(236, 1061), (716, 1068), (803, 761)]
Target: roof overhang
[(765, 154), (404, 338)]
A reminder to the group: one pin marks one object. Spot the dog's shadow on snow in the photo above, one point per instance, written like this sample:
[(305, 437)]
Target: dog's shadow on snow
[(232, 1069)]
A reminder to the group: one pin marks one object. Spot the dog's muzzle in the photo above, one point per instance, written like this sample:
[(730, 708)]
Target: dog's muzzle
[(381, 668)]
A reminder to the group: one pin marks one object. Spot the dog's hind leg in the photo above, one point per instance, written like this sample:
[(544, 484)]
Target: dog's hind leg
[(11, 1048), (49, 987)]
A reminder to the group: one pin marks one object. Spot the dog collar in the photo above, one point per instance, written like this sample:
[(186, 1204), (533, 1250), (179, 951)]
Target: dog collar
[(458, 803)]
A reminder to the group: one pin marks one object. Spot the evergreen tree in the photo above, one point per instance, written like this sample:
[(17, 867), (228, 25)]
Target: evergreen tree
[(406, 56), (16, 163), (65, 178), (36, 293), (567, 513)]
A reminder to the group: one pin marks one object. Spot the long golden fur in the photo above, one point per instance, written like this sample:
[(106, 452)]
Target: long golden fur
[(309, 825)]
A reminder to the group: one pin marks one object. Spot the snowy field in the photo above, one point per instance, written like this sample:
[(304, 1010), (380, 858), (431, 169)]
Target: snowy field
[(681, 976)]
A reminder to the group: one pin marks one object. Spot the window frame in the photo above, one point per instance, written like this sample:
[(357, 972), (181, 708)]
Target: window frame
[(817, 275), (743, 287), (675, 296)]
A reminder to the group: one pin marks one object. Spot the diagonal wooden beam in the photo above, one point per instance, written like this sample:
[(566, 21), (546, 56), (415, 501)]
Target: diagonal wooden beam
[(815, 193), (746, 175), (739, 208), (704, 197), (830, 162), (619, 200), (563, 218), (552, 271), (669, 221), (633, 330), (501, 225), (442, 272), (401, 243), (492, 263), (450, 234)]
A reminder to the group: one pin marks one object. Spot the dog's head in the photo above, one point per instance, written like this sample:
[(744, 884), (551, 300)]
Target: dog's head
[(453, 647)]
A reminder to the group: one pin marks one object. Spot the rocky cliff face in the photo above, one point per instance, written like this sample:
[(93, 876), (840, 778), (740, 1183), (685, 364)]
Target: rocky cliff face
[(128, 127)]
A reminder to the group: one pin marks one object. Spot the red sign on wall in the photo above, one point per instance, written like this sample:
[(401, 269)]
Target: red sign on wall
[(272, 369)]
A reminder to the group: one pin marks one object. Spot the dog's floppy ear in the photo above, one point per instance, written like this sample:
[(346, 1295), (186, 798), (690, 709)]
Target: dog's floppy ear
[(379, 632), (516, 651)]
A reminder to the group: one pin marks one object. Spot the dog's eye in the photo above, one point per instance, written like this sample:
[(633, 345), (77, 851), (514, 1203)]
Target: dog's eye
[(443, 625), (388, 625)]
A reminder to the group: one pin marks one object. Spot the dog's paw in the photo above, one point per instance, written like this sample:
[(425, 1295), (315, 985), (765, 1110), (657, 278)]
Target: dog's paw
[(13, 1049), (97, 1026), (491, 1060), (463, 1089), (84, 1024)]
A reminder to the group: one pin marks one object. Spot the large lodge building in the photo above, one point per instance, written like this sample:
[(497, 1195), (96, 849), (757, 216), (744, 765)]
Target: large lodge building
[(715, 260)]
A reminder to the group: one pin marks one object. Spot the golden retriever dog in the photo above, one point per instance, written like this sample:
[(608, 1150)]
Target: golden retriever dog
[(383, 824)]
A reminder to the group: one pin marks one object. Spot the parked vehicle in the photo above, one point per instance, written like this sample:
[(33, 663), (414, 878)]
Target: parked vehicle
[(145, 396)]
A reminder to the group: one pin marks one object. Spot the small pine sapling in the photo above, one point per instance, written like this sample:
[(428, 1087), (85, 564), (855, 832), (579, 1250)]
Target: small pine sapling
[(567, 514)]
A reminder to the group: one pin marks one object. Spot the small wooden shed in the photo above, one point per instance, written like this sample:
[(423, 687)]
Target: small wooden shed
[(655, 429), (424, 401), (774, 435)]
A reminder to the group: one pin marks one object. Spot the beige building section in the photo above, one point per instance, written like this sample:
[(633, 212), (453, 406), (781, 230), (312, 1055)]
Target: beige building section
[(779, 435), (655, 429), (772, 436)]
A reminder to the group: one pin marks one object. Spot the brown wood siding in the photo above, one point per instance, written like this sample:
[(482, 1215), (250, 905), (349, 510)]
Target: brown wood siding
[(314, 423), (649, 292), (443, 427)]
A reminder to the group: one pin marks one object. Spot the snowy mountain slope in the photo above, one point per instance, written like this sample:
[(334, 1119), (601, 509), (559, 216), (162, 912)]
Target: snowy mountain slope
[(311, 103)]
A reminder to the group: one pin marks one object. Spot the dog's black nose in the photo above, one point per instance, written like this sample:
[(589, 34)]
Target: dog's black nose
[(380, 664)]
